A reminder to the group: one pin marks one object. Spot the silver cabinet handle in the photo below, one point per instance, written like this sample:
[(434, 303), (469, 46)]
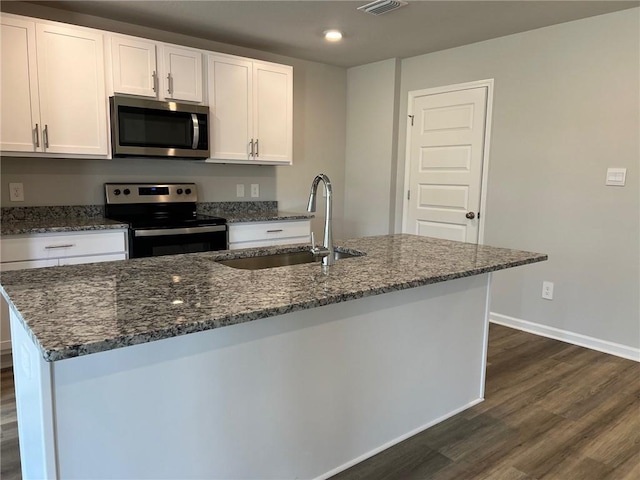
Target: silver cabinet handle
[(66, 245), (275, 230), (196, 131), (251, 148), (154, 76), (257, 151), (45, 135), (37, 132), (170, 84)]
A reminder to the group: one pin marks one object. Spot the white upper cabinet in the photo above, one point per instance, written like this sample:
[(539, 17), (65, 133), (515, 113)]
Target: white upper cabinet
[(133, 66), (53, 92), (182, 73), (251, 105), (149, 69), (273, 106), (55, 80), (72, 92), (230, 107), (19, 103)]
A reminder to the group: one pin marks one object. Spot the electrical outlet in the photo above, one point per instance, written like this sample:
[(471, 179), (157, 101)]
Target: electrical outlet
[(547, 290), (16, 192), (240, 190), (255, 190)]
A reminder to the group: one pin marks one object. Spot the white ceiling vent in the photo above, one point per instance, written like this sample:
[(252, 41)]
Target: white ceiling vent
[(381, 6)]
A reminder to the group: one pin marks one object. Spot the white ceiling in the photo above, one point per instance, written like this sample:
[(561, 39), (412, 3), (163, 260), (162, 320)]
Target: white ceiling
[(294, 28)]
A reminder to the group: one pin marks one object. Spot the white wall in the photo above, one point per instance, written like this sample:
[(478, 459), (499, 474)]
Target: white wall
[(566, 107), (318, 140), (372, 101)]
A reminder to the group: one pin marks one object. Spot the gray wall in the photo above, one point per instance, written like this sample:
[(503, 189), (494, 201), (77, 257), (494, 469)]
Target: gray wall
[(372, 101), (318, 140), (566, 107)]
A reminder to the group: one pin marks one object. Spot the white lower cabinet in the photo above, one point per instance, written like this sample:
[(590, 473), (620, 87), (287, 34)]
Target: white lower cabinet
[(265, 234), (19, 252)]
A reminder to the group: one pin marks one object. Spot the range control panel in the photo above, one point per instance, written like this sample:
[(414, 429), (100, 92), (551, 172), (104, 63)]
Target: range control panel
[(118, 193)]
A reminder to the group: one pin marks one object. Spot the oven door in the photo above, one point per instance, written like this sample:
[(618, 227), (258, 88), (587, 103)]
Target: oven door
[(169, 241)]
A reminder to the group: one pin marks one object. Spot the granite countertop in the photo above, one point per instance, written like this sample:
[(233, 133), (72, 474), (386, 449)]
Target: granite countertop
[(59, 219), (82, 309), (58, 225), (265, 216), (71, 224)]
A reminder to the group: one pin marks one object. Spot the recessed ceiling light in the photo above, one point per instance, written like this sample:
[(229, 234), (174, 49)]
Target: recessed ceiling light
[(333, 35)]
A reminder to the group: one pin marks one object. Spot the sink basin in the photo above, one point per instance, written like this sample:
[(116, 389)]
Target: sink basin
[(282, 259)]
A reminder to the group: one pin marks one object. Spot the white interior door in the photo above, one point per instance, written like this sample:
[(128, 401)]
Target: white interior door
[(445, 154)]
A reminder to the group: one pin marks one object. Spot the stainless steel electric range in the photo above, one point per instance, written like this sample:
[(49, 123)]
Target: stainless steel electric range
[(163, 220)]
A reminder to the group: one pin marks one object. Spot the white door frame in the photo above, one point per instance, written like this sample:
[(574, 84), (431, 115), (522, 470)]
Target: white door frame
[(485, 154)]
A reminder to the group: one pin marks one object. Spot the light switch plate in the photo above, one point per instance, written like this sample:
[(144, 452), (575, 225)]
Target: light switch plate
[(240, 190), (616, 177), (255, 190)]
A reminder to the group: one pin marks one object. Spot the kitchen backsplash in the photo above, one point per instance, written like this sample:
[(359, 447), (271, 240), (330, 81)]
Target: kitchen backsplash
[(11, 214), (234, 208)]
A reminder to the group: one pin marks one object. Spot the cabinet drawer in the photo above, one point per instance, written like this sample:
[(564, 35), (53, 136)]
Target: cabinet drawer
[(257, 231), (43, 246)]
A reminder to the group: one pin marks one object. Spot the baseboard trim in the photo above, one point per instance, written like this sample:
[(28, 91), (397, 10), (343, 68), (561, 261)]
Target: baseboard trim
[(395, 441), (604, 346)]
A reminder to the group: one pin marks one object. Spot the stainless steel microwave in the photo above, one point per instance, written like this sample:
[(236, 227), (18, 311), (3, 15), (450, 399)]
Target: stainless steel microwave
[(150, 128)]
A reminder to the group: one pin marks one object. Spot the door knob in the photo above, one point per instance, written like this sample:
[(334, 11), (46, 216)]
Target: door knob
[(470, 215)]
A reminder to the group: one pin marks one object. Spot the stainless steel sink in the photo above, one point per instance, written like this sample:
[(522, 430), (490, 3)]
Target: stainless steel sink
[(282, 259)]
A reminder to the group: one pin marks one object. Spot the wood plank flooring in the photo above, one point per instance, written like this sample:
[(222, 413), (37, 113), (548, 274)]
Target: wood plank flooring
[(9, 452), (552, 411)]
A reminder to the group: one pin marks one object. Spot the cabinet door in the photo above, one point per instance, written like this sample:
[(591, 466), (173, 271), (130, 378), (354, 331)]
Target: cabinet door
[(273, 106), (19, 103), (72, 92), (182, 74), (134, 66), (230, 105)]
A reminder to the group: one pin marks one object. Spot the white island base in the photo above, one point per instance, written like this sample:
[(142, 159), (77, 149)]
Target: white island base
[(297, 396)]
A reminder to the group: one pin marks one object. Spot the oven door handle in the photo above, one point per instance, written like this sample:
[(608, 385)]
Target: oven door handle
[(164, 232)]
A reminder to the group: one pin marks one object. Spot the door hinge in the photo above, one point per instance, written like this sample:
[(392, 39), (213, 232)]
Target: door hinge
[(478, 215), (411, 117), (408, 194)]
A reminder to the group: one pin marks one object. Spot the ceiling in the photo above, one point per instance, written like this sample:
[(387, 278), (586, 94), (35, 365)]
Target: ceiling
[(294, 28)]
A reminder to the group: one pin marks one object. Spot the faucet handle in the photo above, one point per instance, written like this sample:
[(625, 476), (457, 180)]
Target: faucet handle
[(318, 251)]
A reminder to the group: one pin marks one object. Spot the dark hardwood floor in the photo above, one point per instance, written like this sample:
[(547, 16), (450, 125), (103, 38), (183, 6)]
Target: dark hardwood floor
[(9, 452), (552, 411)]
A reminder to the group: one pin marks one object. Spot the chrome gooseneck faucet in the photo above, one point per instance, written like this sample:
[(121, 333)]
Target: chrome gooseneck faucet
[(327, 250)]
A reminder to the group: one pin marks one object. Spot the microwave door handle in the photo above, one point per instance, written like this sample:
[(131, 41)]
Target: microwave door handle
[(196, 131)]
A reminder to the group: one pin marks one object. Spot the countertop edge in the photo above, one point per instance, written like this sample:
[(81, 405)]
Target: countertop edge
[(13, 231), (74, 351)]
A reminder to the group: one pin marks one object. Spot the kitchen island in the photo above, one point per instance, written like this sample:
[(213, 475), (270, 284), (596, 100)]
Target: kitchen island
[(181, 367)]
